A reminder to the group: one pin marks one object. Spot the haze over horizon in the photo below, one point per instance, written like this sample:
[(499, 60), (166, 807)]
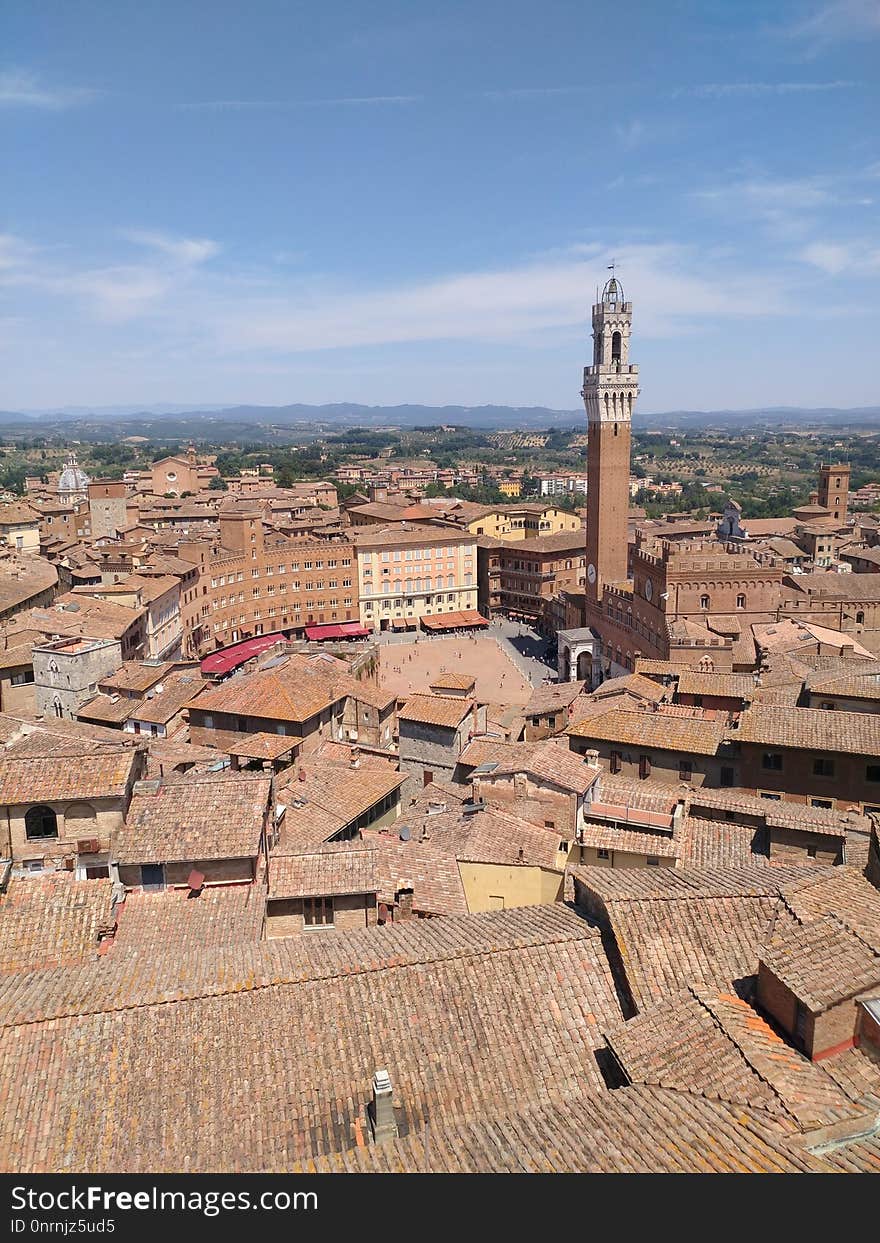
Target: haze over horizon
[(381, 205)]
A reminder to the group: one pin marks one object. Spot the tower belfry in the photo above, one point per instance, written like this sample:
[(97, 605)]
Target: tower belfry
[(611, 386)]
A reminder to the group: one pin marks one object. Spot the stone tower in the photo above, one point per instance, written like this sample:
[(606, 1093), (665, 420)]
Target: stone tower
[(834, 490), (611, 386)]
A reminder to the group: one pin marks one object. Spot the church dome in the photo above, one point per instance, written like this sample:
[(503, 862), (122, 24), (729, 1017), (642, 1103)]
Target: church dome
[(72, 479), (612, 294)]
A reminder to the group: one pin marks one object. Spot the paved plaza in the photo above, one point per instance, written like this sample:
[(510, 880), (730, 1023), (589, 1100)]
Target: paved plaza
[(407, 668)]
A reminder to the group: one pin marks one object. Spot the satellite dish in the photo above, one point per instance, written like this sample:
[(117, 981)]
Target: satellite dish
[(404, 834)]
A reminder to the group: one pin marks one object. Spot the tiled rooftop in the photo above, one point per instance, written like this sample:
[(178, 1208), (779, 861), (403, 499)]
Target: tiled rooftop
[(716, 1044), (441, 710), (52, 921), (77, 774), (822, 962), (633, 1130), (194, 818), (810, 729), (323, 874), (150, 923), (652, 729), (344, 1009)]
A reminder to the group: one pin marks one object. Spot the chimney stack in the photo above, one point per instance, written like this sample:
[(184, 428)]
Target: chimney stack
[(591, 759), (404, 898), (355, 757), (382, 1113)]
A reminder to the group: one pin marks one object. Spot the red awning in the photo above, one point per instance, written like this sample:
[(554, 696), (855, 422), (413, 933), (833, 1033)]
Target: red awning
[(454, 621), (230, 658), (338, 630)]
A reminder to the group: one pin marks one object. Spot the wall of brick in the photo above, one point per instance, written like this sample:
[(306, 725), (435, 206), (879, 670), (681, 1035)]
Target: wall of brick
[(284, 917), (73, 826), (778, 1000), (664, 764), (792, 845), (833, 1028)]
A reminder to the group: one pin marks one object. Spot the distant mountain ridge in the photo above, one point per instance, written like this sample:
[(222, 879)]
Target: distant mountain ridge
[(338, 415)]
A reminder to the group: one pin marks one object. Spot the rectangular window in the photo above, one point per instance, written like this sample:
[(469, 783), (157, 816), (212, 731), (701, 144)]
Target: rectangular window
[(616, 761), (822, 802), (772, 761), (152, 876), (726, 777), (685, 770), (872, 772), (603, 854), (823, 767), (652, 861), (644, 766), (22, 679)]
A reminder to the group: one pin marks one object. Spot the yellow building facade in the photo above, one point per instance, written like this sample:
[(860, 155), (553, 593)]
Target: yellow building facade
[(406, 572), (520, 522)]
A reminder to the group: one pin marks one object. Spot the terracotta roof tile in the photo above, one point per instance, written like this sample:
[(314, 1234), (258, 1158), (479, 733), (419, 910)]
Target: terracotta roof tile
[(727, 685), (442, 710), (822, 962), (652, 729), (323, 874), (460, 1037), (810, 729), (193, 818), (219, 915), (52, 921), (633, 1130), (81, 775)]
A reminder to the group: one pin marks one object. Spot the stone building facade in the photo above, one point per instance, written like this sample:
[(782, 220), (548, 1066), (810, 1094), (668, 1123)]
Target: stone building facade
[(67, 673)]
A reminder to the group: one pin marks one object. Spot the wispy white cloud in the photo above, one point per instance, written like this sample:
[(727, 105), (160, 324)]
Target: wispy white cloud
[(256, 105), (519, 304), (531, 92), (834, 258), (21, 89), (631, 134), (724, 90), (836, 22), (183, 250)]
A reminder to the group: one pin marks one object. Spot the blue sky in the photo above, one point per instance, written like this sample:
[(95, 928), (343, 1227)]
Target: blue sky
[(390, 201)]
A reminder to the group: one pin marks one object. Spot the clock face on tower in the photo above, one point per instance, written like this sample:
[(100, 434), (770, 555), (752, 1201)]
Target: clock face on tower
[(649, 589), (591, 572)]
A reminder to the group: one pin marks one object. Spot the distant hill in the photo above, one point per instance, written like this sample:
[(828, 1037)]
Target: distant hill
[(166, 420)]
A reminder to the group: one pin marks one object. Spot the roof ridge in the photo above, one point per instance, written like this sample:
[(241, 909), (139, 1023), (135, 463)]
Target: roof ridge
[(741, 1051)]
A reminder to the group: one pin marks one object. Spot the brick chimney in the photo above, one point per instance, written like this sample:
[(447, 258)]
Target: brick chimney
[(404, 899), (591, 759), (355, 757), (382, 1109)]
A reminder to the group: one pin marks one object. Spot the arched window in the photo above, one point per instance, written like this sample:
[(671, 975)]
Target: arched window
[(79, 815), (740, 602), (860, 619), (615, 347), (40, 822), (57, 708), (704, 602)]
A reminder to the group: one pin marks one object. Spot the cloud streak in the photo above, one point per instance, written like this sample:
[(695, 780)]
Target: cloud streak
[(258, 105), (183, 250), (21, 89), (739, 90)]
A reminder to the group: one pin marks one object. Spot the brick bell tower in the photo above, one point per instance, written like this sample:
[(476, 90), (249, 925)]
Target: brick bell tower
[(611, 386)]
